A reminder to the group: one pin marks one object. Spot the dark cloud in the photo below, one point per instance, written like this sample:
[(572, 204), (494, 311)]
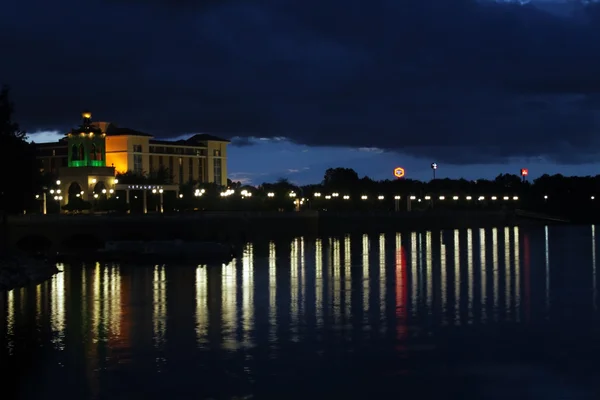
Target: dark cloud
[(455, 80), (242, 141)]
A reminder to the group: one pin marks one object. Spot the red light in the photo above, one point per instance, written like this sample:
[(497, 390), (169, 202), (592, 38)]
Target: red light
[(524, 172), (399, 172)]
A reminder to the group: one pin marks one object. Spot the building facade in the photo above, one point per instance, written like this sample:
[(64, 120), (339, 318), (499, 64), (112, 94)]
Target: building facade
[(202, 158)]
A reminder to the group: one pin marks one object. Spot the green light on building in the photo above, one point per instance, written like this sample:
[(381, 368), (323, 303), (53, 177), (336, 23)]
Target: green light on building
[(87, 145)]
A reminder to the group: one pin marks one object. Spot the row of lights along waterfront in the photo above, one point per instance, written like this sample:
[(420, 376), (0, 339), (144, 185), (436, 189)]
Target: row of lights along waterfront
[(293, 195), (57, 193)]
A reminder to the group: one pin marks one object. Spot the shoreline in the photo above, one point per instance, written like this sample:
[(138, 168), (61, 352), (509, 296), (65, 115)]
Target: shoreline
[(55, 232), (18, 271), (428, 220)]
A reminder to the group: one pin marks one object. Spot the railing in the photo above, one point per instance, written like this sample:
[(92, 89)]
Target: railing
[(412, 214), (533, 215), (248, 215), (56, 218)]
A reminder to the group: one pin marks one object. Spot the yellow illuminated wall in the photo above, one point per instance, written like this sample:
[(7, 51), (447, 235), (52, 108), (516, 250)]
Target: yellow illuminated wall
[(221, 147), (116, 153), (119, 152), (177, 161)]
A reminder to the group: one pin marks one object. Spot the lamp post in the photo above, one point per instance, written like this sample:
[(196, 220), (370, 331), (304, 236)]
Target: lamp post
[(161, 198), (294, 198), (299, 203), (434, 168), (44, 189), (524, 173), (396, 203), (162, 207)]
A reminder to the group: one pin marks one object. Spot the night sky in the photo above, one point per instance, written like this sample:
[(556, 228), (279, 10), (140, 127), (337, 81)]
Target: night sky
[(481, 88)]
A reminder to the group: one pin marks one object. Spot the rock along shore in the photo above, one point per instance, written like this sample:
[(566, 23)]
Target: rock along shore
[(21, 270)]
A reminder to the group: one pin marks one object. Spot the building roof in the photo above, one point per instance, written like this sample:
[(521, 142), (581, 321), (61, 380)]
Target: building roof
[(196, 140), (203, 137), (58, 143), (199, 139), (113, 130), (167, 142)]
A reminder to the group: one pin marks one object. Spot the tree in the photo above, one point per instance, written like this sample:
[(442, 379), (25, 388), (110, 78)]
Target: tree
[(508, 181), (337, 178), (188, 189), (131, 177), (77, 204), (233, 185), (20, 172), (161, 176), (283, 185)]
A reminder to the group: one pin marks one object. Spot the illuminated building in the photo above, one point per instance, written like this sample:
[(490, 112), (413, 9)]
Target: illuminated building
[(79, 160), (99, 150)]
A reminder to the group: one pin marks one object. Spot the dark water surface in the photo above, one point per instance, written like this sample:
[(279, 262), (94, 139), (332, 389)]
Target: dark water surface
[(506, 313)]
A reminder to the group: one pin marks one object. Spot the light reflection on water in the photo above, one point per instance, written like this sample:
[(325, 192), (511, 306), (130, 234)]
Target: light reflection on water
[(547, 259), (470, 274), (159, 301), (484, 274), (594, 273), (455, 248), (356, 288), (247, 293), (517, 266), (229, 301), (57, 307), (202, 318), (273, 291), (495, 272), (319, 287)]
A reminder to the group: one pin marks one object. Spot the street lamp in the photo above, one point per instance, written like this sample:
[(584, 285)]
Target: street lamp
[(160, 192), (44, 209), (434, 167), (524, 173)]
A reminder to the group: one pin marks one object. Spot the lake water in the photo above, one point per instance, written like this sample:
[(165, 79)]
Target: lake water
[(462, 314)]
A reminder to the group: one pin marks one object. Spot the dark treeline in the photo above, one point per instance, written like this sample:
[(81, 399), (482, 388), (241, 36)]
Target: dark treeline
[(347, 181), (574, 197), (20, 177)]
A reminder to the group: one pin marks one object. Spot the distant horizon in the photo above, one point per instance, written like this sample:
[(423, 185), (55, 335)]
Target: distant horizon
[(262, 160)]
